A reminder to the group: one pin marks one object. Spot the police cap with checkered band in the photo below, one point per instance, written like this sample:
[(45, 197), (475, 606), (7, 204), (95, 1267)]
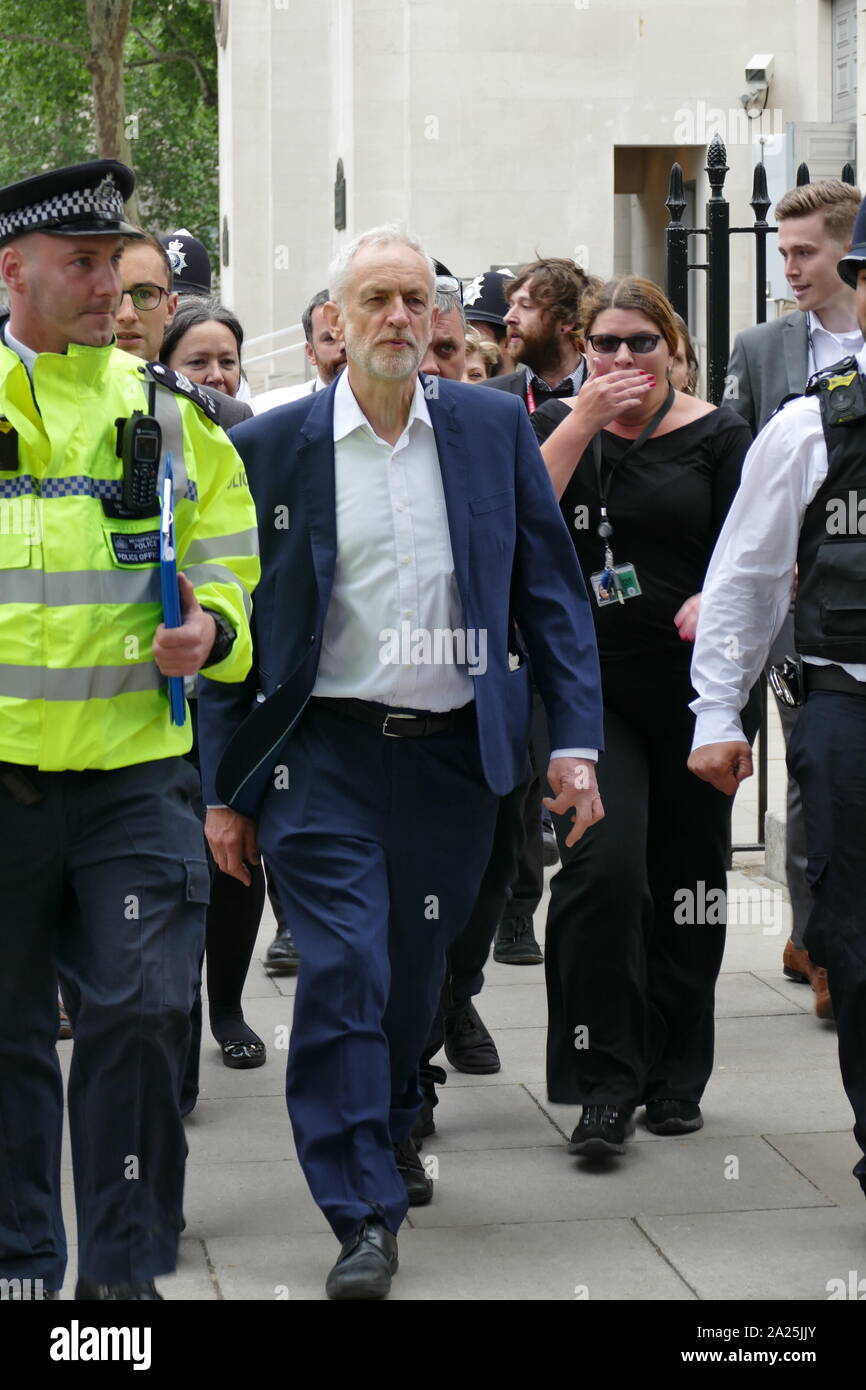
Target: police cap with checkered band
[(82, 199)]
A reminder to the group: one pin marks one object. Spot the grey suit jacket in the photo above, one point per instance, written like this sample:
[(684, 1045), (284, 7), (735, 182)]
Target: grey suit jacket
[(768, 363)]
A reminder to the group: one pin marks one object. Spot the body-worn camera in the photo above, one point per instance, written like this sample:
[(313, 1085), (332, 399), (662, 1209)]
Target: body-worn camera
[(843, 399)]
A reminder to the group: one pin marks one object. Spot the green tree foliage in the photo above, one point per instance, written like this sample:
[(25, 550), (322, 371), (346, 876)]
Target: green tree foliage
[(47, 115)]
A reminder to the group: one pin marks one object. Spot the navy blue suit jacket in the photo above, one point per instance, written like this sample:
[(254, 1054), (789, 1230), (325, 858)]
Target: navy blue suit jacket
[(514, 564)]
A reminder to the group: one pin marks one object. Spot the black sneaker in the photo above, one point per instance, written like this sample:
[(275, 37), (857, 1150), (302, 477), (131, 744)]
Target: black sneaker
[(515, 943), (419, 1188), (468, 1045), (673, 1116), (601, 1130), (282, 955)]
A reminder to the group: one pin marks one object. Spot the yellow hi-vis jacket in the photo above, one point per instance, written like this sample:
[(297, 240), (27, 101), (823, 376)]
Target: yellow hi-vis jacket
[(80, 594)]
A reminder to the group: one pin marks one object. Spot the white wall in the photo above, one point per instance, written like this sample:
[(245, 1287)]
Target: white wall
[(488, 126)]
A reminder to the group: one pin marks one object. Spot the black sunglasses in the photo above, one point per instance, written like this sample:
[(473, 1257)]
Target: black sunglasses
[(605, 343)]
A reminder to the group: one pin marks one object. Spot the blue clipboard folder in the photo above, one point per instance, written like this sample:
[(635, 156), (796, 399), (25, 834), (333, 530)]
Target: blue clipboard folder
[(171, 614)]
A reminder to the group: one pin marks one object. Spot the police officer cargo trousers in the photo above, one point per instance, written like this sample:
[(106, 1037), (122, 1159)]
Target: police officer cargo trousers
[(103, 881)]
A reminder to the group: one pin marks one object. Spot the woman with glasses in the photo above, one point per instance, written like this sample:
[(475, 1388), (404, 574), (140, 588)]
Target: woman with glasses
[(635, 931)]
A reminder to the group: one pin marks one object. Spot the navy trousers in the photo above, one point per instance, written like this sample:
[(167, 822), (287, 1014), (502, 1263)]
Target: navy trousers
[(103, 881), (377, 846), (827, 755)]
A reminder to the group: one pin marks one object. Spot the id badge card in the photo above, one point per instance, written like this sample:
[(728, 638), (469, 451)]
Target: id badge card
[(615, 585)]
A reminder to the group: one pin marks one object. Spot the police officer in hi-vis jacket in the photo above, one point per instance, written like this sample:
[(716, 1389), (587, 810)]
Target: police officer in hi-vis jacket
[(103, 877)]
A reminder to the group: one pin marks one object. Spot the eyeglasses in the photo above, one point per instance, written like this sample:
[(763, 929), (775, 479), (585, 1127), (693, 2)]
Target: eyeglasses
[(145, 297), (605, 343)]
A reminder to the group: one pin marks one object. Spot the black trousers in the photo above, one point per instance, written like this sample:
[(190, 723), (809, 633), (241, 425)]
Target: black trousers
[(632, 954), (467, 955), (527, 876), (827, 755), (104, 880)]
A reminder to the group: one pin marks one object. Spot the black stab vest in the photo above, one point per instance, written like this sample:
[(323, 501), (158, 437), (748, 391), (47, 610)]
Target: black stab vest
[(830, 612)]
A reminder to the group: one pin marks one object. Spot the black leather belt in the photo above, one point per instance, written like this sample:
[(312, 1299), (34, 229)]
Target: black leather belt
[(397, 723), (831, 678)]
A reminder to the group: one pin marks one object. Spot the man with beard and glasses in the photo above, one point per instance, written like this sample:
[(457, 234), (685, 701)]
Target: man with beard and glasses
[(413, 555), (543, 314)]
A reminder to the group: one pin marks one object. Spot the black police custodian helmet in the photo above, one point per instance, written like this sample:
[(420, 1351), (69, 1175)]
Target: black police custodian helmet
[(855, 260), (190, 263), (80, 199), (484, 297)]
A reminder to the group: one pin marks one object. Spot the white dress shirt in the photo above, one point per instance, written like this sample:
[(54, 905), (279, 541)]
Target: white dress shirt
[(827, 348), (748, 587), (395, 570), (281, 395)]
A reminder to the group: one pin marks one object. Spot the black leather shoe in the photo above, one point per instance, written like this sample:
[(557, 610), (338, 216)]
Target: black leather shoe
[(365, 1265), (601, 1130), (244, 1055), (125, 1293), (515, 943), (424, 1124), (419, 1188), (673, 1116), (282, 955), (468, 1045)]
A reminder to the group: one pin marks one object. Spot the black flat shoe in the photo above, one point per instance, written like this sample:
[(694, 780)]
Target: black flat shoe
[(126, 1293), (243, 1056), (601, 1131), (673, 1116), (468, 1044), (365, 1266), (515, 943), (419, 1188)]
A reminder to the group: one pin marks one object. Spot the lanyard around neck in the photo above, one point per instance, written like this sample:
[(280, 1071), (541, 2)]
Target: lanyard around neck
[(636, 444)]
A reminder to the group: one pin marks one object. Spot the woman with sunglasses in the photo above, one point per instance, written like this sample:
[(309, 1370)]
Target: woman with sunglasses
[(635, 931)]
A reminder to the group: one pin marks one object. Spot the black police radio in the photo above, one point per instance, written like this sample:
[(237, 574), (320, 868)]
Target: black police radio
[(139, 446)]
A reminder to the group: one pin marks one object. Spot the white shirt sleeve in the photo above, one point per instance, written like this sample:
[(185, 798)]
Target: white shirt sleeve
[(748, 586)]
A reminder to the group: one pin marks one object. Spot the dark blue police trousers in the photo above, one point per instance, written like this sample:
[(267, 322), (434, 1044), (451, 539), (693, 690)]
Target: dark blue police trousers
[(103, 880), (827, 755), (377, 846)]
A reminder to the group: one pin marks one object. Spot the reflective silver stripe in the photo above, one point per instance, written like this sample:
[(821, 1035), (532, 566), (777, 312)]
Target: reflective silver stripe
[(212, 547), (168, 413), (218, 574), (78, 682), (80, 586)]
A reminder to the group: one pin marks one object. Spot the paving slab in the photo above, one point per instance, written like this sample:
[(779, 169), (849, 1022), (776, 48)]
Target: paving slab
[(489, 1117), (550, 1261), (740, 994), (252, 1198), (763, 1254), (826, 1159), (240, 1129), (545, 1183)]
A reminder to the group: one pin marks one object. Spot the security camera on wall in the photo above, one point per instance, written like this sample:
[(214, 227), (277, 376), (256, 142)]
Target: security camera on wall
[(759, 73), (759, 69)]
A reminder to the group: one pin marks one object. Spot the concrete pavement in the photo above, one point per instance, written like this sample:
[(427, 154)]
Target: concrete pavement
[(760, 1204)]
